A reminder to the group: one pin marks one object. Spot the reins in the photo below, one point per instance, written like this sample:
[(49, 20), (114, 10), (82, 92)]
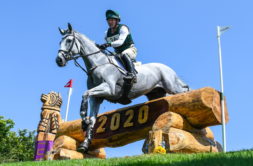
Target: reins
[(69, 56)]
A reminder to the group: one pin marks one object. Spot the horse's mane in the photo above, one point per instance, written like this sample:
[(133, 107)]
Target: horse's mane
[(88, 42), (84, 39)]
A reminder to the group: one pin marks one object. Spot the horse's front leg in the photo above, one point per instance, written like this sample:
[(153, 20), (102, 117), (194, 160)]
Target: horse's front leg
[(96, 97), (83, 110)]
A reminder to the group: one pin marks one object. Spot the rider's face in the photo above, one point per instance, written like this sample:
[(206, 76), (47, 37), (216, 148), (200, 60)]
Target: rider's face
[(112, 22)]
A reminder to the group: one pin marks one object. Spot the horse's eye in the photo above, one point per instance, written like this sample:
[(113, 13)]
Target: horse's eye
[(68, 40)]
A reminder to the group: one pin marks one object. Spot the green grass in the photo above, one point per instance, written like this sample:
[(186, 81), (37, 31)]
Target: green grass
[(239, 158)]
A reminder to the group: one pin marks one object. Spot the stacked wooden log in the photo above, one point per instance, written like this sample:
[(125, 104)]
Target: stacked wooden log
[(184, 127), (65, 147), (175, 134), (179, 123)]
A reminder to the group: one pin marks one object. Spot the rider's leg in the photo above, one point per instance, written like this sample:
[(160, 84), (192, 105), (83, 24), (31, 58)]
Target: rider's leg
[(131, 52), (126, 57), (130, 67)]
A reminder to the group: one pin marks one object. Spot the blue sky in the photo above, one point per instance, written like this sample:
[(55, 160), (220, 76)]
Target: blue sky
[(180, 34)]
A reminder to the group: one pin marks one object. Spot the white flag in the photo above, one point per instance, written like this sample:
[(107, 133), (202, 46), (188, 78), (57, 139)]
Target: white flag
[(223, 29)]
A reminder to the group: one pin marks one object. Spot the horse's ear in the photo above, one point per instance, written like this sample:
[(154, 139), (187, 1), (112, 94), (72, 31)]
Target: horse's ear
[(70, 27), (61, 31)]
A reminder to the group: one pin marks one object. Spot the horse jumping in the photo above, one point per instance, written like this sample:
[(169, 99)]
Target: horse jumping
[(106, 82)]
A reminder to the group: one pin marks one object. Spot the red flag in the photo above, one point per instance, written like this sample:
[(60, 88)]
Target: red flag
[(69, 84)]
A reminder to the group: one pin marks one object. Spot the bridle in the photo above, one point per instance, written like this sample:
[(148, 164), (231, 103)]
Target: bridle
[(68, 55)]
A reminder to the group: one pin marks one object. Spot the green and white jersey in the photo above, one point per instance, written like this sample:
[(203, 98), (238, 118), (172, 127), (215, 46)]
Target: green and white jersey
[(121, 39)]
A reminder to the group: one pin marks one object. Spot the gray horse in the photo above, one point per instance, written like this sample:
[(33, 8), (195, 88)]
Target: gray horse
[(105, 81)]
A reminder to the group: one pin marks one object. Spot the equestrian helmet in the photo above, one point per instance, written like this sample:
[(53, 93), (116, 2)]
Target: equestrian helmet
[(112, 14)]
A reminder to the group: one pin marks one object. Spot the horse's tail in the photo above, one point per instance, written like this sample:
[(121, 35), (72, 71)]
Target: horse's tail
[(183, 84), (172, 83)]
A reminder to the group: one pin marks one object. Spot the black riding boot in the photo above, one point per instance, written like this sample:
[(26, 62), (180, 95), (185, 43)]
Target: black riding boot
[(130, 68)]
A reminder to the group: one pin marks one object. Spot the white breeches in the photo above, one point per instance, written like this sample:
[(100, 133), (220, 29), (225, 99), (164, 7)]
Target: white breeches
[(131, 52)]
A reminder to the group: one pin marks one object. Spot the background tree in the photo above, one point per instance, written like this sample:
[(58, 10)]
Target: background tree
[(15, 146)]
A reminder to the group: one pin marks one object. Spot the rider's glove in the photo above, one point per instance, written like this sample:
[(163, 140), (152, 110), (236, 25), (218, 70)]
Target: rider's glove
[(104, 46)]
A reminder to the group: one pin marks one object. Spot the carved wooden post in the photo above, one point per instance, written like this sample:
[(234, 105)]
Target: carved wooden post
[(48, 125), (49, 148)]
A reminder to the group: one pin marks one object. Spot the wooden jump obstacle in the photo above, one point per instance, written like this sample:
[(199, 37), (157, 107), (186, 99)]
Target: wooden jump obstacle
[(179, 123)]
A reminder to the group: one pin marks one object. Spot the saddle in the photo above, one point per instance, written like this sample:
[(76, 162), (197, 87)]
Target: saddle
[(128, 84), (117, 62)]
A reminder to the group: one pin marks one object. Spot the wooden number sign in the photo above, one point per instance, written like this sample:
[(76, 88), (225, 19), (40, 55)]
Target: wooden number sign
[(128, 119)]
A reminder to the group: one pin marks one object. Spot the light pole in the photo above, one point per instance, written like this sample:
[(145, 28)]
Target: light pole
[(220, 30)]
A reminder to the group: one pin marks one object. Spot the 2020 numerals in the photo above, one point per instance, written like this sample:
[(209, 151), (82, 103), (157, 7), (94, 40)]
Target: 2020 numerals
[(115, 119)]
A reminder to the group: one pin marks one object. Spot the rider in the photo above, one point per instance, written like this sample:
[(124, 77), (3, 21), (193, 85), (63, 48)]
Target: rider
[(119, 37)]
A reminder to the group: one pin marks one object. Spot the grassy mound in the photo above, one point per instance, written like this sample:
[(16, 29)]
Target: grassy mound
[(238, 158)]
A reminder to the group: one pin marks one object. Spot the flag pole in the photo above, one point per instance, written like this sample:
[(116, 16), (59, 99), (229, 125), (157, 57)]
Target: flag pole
[(67, 109), (222, 91), (68, 85)]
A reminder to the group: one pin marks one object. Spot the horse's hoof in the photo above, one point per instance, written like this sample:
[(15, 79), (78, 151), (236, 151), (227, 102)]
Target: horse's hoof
[(82, 149)]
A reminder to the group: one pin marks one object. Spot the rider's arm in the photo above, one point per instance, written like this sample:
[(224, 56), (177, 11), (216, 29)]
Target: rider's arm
[(105, 35), (122, 37)]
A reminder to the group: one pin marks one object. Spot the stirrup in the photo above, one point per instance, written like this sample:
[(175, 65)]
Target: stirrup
[(131, 77)]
